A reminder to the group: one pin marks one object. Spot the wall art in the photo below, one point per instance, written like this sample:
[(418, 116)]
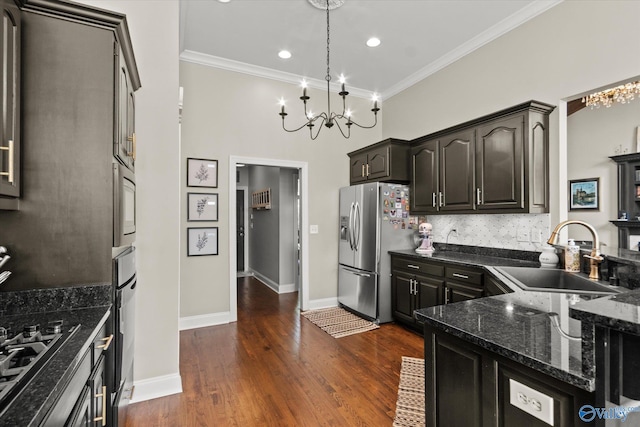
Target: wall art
[(202, 241), (584, 194), (202, 173), (202, 207)]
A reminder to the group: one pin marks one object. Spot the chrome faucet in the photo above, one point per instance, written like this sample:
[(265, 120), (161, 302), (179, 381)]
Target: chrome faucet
[(595, 257), (4, 257)]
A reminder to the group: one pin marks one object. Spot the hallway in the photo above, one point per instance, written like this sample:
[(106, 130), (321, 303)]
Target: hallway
[(274, 368)]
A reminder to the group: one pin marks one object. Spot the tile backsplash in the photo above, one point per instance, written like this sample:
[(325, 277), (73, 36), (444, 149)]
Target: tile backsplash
[(525, 232)]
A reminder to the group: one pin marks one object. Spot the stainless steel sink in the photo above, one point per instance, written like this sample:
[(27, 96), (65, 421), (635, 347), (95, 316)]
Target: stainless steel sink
[(555, 280)]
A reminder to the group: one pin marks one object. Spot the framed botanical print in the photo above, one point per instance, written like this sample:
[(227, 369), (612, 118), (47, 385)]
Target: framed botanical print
[(202, 241), (202, 173), (202, 207)]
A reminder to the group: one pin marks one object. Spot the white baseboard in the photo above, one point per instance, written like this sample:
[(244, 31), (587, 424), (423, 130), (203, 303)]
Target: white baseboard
[(317, 304), (153, 388), (287, 289), (204, 320)]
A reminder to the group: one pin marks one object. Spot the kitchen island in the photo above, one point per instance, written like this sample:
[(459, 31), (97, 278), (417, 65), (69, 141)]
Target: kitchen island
[(524, 358)]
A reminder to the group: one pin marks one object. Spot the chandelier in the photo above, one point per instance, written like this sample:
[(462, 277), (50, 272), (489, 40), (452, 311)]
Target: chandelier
[(328, 118), (622, 94)]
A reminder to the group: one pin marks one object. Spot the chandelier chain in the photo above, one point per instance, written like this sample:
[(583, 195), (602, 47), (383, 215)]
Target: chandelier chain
[(328, 77)]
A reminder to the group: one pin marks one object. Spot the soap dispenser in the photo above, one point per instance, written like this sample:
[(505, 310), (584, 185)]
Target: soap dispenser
[(572, 257)]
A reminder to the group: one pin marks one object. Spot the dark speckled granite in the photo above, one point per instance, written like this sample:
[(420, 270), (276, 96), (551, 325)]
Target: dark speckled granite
[(477, 259), (518, 326), (620, 312), (89, 306)]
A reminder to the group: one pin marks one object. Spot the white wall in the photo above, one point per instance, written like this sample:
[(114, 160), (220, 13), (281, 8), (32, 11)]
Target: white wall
[(570, 49), (593, 136), (154, 33), (227, 113)]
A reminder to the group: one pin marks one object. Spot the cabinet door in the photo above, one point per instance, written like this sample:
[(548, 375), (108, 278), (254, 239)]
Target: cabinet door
[(499, 165), (457, 392), (10, 95), (358, 168), (424, 178), (455, 292), (402, 296), (429, 292), (81, 415), (125, 143), (378, 163), (457, 177), (99, 395)]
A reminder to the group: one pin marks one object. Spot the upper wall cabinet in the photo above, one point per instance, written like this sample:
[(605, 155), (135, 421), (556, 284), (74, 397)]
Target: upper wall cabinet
[(124, 147), (10, 95), (495, 164), (385, 161)]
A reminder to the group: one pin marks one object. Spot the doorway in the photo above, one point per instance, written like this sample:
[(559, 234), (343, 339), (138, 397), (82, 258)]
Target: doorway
[(302, 167), (241, 229)]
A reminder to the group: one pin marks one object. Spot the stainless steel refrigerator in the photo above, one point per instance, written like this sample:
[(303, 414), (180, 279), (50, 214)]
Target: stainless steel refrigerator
[(374, 218)]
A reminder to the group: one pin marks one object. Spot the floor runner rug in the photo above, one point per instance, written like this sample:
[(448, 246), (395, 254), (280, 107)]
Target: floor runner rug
[(338, 322), (410, 405)]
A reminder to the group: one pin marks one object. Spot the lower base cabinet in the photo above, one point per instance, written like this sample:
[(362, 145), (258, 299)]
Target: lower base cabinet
[(470, 386), (83, 401)]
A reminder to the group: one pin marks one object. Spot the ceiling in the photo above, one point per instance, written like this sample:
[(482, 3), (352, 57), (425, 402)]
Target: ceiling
[(419, 37)]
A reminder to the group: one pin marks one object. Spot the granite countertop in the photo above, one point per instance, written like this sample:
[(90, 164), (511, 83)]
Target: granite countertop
[(519, 326), (469, 259), (620, 312), (87, 306)]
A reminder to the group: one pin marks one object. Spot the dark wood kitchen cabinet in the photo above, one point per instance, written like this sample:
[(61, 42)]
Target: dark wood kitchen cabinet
[(124, 148), (495, 164), (73, 59), (414, 284), (10, 143), (463, 283), (470, 386), (84, 400), (386, 160)]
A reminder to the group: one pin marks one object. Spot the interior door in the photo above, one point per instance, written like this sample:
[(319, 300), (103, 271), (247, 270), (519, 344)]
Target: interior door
[(240, 230)]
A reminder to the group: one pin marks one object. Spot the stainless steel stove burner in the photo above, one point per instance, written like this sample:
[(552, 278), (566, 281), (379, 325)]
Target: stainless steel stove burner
[(24, 353)]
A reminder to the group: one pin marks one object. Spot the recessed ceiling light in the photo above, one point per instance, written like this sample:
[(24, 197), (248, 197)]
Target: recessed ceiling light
[(284, 54), (224, 1), (373, 42)]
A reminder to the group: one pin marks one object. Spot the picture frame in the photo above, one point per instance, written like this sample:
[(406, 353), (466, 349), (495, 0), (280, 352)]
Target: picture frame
[(202, 207), (202, 241), (584, 194), (202, 173)]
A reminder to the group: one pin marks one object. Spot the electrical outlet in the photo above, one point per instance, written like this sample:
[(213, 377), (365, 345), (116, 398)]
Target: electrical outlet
[(313, 229), (531, 401), (523, 235)]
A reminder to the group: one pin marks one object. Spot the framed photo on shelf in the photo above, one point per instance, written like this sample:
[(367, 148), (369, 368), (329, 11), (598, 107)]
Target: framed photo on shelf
[(202, 241), (584, 194), (202, 173), (202, 207)]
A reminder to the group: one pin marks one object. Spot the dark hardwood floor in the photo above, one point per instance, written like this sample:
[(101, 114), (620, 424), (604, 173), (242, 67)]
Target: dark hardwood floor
[(275, 368)]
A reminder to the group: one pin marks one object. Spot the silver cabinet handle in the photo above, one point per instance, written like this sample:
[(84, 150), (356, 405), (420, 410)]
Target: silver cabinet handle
[(478, 198), (440, 201), (10, 151), (460, 276), (433, 200), (446, 295), (411, 286), (415, 267)]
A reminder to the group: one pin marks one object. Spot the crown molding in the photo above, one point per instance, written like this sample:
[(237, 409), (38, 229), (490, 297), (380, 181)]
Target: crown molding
[(267, 73), (523, 15)]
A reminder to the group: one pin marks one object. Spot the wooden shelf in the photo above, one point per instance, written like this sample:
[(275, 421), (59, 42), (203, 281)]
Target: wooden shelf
[(261, 199)]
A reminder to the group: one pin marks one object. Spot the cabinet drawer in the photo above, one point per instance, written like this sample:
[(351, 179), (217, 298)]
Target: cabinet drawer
[(463, 275), (101, 343), (418, 266)]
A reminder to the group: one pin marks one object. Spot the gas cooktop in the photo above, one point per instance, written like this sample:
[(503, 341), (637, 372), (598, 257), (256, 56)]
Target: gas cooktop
[(23, 353)]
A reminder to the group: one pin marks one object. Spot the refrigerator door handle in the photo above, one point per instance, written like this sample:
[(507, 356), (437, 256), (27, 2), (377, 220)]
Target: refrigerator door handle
[(357, 221), (356, 272), (350, 234)]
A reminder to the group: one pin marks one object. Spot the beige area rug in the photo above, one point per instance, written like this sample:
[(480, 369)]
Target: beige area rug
[(338, 322), (410, 406)]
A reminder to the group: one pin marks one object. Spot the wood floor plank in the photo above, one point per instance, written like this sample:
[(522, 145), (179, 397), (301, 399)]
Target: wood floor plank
[(273, 367)]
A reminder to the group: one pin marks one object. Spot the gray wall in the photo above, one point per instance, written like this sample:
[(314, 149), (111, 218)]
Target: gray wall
[(287, 226)]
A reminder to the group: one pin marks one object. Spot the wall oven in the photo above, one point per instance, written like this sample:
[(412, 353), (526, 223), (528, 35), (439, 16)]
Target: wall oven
[(124, 322), (124, 206)]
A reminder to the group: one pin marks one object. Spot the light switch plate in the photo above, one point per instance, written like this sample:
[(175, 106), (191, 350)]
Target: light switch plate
[(531, 401)]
